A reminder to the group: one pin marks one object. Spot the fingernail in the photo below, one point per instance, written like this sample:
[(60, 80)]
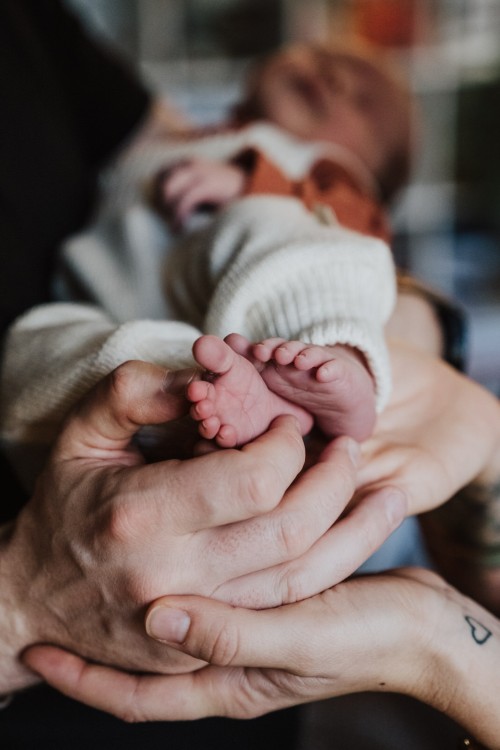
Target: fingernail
[(176, 381), (168, 625), (395, 508)]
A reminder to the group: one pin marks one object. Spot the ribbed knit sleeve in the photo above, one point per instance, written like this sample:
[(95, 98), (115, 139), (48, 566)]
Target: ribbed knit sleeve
[(268, 267), (54, 354)]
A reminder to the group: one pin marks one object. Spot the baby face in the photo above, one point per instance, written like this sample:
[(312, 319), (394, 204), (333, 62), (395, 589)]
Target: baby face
[(316, 94)]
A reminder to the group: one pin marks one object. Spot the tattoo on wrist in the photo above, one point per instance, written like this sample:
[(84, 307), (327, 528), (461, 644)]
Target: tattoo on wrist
[(479, 632)]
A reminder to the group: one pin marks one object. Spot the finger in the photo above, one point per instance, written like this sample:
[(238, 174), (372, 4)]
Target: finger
[(194, 196), (231, 485), (133, 395), (130, 697), (334, 557), (178, 180), (230, 636), (308, 510)]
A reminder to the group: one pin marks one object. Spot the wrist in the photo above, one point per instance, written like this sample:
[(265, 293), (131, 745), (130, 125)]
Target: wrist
[(459, 650)]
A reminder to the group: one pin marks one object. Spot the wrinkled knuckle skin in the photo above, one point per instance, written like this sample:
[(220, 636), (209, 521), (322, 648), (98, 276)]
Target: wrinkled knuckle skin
[(123, 380), (257, 490), (220, 645), (292, 586), (120, 524), (290, 536), (131, 716)]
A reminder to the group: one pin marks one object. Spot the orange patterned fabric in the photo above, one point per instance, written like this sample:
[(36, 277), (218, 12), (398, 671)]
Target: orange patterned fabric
[(327, 184)]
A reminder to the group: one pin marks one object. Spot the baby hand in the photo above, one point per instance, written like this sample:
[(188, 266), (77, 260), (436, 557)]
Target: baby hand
[(195, 183)]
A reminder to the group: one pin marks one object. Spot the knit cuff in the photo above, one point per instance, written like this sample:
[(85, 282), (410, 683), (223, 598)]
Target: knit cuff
[(335, 290), (54, 355)]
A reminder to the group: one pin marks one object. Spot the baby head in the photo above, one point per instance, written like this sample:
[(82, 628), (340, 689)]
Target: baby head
[(320, 94)]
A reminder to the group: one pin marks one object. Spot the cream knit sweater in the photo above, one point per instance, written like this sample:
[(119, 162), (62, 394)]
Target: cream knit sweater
[(265, 266)]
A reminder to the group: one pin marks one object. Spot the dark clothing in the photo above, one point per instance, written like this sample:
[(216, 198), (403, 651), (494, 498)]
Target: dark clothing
[(66, 105), (42, 719)]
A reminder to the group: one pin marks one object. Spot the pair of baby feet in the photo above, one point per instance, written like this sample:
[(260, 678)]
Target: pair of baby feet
[(245, 386)]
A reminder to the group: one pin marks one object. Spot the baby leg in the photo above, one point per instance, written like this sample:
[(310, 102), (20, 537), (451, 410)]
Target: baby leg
[(232, 403), (331, 382)]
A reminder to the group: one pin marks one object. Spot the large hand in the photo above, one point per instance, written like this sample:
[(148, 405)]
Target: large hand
[(404, 631), (104, 534), (439, 432)]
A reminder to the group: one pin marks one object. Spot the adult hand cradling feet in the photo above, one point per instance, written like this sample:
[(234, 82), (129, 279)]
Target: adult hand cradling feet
[(105, 534), (426, 443)]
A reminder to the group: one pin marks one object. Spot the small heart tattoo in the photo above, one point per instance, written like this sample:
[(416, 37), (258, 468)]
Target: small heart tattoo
[(479, 632)]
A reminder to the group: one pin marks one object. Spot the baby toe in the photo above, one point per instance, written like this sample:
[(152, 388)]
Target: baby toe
[(226, 436), (209, 428)]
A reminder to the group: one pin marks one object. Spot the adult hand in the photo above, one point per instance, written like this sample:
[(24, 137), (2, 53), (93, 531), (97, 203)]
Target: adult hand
[(105, 534), (439, 432), (404, 631)]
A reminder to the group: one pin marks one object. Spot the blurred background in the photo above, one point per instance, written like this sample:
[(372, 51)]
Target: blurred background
[(447, 222)]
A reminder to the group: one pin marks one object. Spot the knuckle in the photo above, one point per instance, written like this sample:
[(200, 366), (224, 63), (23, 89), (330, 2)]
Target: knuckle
[(130, 716), (292, 585), (290, 535), (258, 690), (130, 710), (258, 493), (255, 488), (221, 644), (251, 697), (123, 380), (120, 525)]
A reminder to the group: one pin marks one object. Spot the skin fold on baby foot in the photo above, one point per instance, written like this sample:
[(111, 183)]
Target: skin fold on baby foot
[(232, 403)]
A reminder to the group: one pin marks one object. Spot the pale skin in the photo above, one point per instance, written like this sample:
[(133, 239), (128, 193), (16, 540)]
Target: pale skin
[(77, 572), (398, 456), (421, 446), (246, 386), (403, 631), (90, 504)]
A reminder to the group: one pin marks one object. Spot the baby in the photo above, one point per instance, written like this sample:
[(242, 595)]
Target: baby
[(316, 95), (297, 252)]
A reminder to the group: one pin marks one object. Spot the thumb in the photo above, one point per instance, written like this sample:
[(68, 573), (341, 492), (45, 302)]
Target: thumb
[(134, 394), (228, 636)]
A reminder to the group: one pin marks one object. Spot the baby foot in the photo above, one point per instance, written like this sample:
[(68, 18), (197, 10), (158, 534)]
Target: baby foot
[(331, 382), (232, 403)]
